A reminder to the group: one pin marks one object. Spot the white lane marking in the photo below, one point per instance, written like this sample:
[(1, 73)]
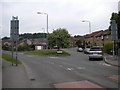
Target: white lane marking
[(69, 69)]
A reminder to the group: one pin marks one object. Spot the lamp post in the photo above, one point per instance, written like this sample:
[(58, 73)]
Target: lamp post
[(89, 28), (47, 19), (46, 23), (89, 25)]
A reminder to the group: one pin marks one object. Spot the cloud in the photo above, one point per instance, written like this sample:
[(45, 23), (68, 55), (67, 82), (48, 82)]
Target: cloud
[(62, 13)]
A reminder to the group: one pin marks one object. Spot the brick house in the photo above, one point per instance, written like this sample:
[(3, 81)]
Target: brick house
[(102, 37), (98, 37), (90, 38), (73, 40)]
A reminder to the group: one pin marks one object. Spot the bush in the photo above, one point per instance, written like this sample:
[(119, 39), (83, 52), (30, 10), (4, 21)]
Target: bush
[(26, 47), (5, 47), (108, 47)]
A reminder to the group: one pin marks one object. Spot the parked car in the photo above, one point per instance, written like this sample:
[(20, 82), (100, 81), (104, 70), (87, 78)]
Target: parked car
[(95, 53), (86, 50), (80, 49)]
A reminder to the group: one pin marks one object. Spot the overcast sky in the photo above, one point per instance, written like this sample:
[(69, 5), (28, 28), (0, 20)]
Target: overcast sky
[(67, 14)]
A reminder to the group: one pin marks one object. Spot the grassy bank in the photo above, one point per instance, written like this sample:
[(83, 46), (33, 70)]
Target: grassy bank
[(48, 53), (9, 58)]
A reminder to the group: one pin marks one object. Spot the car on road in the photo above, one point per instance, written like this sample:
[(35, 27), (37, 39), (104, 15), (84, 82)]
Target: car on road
[(80, 49), (86, 50), (95, 53)]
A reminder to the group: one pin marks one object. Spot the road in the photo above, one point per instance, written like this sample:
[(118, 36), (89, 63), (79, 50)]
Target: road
[(45, 71)]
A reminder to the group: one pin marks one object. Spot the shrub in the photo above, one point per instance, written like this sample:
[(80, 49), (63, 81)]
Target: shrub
[(108, 47), (26, 47), (5, 47)]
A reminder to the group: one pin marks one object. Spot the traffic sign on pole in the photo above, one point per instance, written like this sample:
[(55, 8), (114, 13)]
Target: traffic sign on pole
[(114, 33), (14, 35)]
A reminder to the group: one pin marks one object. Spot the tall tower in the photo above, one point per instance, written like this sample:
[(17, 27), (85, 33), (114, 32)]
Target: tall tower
[(14, 30)]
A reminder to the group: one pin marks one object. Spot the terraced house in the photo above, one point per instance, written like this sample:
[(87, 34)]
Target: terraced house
[(98, 38)]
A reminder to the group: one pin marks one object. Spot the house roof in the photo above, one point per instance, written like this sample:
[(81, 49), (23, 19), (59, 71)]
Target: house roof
[(92, 34), (105, 32)]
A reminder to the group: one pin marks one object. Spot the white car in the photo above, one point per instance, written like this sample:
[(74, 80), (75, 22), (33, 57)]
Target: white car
[(80, 49), (95, 53)]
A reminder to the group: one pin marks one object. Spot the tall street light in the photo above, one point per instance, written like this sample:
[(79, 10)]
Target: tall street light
[(47, 19), (47, 23), (89, 25)]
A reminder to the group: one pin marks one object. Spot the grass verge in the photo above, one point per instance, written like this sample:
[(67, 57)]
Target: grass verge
[(48, 53), (9, 58)]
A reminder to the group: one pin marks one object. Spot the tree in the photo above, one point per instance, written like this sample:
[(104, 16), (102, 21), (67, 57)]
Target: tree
[(5, 38), (59, 38), (78, 43), (116, 17), (34, 35), (108, 47), (77, 36)]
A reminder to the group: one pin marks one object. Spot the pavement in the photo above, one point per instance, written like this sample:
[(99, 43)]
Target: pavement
[(112, 60), (14, 76)]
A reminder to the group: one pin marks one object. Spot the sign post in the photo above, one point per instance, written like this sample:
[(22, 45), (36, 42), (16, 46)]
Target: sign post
[(14, 35), (114, 35)]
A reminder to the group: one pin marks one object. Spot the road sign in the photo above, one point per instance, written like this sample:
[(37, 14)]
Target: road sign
[(114, 33), (14, 34)]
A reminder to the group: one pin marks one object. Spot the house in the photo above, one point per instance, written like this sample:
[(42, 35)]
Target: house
[(73, 40), (98, 38), (90, 38), (102, 37)]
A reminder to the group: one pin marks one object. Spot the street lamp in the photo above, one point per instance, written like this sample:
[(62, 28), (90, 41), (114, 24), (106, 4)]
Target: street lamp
[(47, 22), (47, 19), (89, 25)]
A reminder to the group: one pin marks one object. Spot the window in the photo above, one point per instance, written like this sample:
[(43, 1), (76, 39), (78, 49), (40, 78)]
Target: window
[(107, 36), (102, 37)]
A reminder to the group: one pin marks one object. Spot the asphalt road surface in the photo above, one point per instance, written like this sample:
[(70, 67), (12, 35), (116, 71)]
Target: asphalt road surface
[(46, 71)]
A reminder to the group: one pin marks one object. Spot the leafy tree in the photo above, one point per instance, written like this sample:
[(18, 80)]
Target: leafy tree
[(5, 38), (26, 47), (5, 47), (77, 36), (116, 17), (78, 43), (34, 35), (107, 47), (59, 38)]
